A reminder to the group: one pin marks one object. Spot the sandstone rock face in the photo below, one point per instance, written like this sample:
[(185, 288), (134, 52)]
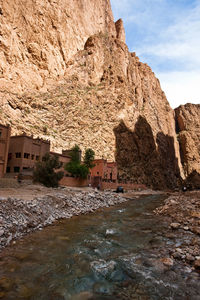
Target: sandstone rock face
[(188, 128), (87, 88), (38, 37)]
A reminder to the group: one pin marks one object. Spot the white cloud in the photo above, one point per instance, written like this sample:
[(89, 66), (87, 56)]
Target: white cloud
[(181, 87), (166, 35), (179, 42)]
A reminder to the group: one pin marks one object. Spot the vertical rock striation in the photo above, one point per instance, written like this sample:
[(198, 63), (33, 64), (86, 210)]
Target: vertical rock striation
[(66, 74), (188, 129)]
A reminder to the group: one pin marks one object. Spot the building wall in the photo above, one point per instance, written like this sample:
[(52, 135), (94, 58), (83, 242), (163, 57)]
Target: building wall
[(63, 158), (111, 171), (4, 145), (24, 152), (104, 169), (73, 182), (126, 186), (100, 168)]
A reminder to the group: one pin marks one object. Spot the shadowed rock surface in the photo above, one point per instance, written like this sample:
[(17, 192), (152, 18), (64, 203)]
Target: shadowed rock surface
[(138, 156), (188, 128)]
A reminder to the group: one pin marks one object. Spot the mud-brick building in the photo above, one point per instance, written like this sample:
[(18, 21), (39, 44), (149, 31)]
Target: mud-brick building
[(63, 157), (103, 171), (4, 146), (24, 152)]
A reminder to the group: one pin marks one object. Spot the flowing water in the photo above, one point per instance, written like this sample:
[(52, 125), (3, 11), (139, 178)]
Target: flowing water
[(111, 254)]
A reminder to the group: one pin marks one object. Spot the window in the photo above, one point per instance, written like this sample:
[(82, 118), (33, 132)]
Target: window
[(18, 154), (32, 156), (8, 170), (9, 156), (16, 169), (37, 157), (0, 133), (26, 155)]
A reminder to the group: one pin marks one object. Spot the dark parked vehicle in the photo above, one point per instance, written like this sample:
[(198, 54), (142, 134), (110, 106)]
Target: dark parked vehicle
[(119, 189)]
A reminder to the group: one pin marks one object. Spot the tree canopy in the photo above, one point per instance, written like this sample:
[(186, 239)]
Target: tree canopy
[(89, 158), (75, 167), (45, 171)]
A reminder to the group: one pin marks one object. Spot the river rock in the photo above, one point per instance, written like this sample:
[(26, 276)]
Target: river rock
[(175, 225), (196, 230), (189, 257), (167, 261), (19, 216), (103, 268), (197, 264)]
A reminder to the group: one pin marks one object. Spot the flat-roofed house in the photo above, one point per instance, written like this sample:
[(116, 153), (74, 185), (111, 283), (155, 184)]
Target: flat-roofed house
[(104, 169), (4, 146), (24, 152)]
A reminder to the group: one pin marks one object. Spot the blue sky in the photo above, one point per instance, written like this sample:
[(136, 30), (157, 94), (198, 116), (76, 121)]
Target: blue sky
[(166, 35)]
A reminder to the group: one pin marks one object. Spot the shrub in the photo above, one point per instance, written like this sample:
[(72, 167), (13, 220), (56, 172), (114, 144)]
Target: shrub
[(45, 171)]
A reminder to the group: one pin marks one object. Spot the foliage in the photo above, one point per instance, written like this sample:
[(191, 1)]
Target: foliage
[(75, 154), (75, 168), (89, 158), (45, 171)]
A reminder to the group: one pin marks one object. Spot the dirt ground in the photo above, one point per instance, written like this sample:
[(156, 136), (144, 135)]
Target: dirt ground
[(27, 191), (30, 191)]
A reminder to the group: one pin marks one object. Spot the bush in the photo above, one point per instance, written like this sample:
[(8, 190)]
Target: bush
[(45, 171), (75, 168)]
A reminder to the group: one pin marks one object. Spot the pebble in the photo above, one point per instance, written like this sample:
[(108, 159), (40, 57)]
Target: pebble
[(19, 217), (1, 232), (183, 213), (167, 261), (175, 225), (197, 264)]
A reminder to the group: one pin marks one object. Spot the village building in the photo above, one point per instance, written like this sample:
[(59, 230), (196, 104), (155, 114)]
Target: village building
[(103, 171), (63, 157), (24, 152), (4, 146)]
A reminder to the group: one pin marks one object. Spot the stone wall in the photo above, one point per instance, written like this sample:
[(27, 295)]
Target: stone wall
[(126, 186), (73, 182)]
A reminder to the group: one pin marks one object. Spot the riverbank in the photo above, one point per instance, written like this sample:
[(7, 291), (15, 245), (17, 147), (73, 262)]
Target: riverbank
[(31, 208), (183, 213)]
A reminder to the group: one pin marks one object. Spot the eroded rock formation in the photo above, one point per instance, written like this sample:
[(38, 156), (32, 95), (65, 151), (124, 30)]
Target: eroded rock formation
[(188, 129), (67, 75)]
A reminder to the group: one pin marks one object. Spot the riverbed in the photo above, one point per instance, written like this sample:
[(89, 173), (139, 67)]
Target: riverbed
[(119, 252)]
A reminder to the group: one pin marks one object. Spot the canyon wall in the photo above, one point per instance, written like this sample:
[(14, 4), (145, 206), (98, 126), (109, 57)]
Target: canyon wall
[(188, 129), (37, 38), (67, 75)]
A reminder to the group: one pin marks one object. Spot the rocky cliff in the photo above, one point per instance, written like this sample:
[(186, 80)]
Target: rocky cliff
[(67, 75), (188, 129)]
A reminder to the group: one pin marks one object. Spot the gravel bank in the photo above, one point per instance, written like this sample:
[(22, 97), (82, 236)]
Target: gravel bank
[(21, 216), (183, 210)]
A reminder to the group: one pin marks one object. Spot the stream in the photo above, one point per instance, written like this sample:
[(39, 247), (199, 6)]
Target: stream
[(113, 253)]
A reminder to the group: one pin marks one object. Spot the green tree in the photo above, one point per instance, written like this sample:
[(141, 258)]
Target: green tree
[(75, 154), (45, 171), (75, 168), (89, 158)]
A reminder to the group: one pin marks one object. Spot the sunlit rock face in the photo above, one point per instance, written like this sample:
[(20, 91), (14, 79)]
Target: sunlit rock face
[(67, 75)]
